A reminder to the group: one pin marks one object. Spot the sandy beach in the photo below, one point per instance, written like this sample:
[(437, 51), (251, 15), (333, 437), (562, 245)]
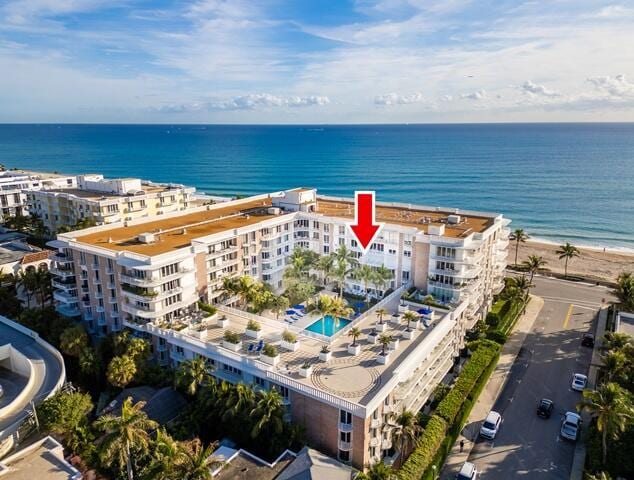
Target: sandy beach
[(591, 264)]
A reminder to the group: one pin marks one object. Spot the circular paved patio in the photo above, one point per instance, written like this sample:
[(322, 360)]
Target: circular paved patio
[(346, 378)]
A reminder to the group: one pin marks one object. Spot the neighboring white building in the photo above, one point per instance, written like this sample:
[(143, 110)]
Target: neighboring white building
[(15, 184), (42, 460), (107, 201), (148, 275)]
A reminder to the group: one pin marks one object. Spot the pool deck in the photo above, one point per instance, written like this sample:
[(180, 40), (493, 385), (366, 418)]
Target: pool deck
[(353, 377)]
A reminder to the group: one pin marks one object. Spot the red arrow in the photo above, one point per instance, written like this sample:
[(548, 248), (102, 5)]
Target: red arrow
[(364, 227)]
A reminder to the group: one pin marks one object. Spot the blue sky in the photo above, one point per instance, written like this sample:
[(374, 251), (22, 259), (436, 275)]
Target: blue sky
[(301, 61)]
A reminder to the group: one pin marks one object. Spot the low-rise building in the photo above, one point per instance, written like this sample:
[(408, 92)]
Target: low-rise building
[(148, 275), (104, 201), (15, 185), (42, 460)]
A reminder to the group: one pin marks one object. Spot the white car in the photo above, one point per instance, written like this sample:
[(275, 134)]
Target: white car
[(491, 425), (467, 472), (570, 426), (579, 382)]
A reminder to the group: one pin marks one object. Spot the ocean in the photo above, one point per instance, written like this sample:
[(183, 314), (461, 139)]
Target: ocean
[(560, 182)]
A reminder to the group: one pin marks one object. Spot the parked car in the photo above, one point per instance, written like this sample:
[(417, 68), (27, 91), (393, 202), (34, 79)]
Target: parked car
[(579, 382), (587, 340), (491, 425), (570, 426), (545, 408), (467, 472)]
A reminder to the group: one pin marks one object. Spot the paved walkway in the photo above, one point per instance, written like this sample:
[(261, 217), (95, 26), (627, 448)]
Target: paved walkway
[(579, 460), (492, 389)]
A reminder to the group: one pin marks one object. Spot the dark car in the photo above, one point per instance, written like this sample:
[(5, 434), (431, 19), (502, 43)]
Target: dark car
[(587, 340), (545, 408)]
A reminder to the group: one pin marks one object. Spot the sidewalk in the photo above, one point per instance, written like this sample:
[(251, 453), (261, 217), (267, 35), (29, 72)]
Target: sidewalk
[(579, 460), (493, 388)]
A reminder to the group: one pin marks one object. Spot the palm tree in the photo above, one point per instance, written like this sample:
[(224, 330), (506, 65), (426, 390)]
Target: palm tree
[(355, 333), (123, 433), (518, 236), (625, 290), (268, 413), (27, 281), (616, 341), (366, 274), (410, 316), (240, 399), (610, 407), (326, 264), (567, 252), (613, 363), (598, 476), (121, 371), (165, 458), (517, 289), (533, 264), (382, 278), (379, 471), (198, 463), (73, 340), (346, 262), (280, 304), (191, 374), (407, 429), (246, 288), (334, 306), (384, 341), (380, 313)]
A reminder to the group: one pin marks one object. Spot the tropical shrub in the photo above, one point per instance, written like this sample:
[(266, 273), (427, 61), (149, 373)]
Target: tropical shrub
[(205, 307), (289, 337), (426, 447), (269, 350), (231, 337), (253, 326)]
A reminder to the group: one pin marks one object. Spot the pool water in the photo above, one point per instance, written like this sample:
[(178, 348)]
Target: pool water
[(327, 325)]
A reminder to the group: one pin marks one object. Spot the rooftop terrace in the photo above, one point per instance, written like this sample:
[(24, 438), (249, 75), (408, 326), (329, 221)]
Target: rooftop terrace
[(410, 217), (169, 231)]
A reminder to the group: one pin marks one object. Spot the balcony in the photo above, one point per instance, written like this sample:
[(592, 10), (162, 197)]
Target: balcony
[(63, 285), (100, 309), (101, 321), (62, 258), (112, 300), (386, 444), (63, 272), (345, 427), (376, 422), (68, 310), (375, 441), (345, 446), (65, 297)]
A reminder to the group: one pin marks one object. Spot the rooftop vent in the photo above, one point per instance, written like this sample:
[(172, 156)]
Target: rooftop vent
[(274, 211), (453, 219), (146, 238)]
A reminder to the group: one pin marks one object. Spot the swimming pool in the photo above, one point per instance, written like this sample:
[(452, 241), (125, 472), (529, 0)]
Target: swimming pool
[(327, 325)]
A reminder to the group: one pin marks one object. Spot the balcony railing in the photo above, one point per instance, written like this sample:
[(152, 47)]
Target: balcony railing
[(63, 272), (65, 297), (345, 446), (345, 427)]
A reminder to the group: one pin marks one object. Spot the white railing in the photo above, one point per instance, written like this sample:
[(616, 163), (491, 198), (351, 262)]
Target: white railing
[(354, 408)]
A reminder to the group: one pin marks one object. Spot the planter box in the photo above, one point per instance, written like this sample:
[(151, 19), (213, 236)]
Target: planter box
[(324, 357), (354, 350), (373, 338), (200, 334), (381, 327), (403, 308), (270, 360), (222, 322), (211, 318), (383, 359), (292, 347), (234, 347), (394, 344), (306, 372), (410, 335), (253, 333)]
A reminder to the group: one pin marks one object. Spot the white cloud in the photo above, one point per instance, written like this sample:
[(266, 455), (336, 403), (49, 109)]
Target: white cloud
[(477, 95), (396, 99), (616, 87), (539, 90), (248, 102)]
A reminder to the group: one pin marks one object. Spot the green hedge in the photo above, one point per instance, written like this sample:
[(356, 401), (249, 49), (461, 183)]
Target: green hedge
[(473, 369), (425, 451), (442, 428)]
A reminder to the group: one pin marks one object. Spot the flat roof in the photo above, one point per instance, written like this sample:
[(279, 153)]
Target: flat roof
[(410, 217), (41, 463), (98, 195), (169, 231)]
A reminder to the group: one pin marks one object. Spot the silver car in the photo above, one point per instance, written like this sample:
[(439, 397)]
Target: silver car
[(570, 426)]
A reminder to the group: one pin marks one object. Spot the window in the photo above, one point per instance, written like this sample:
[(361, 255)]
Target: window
[(354, 243), (169, 270), (172, 300), (407, 253), (345, 436), (344, 455), (232, 370), (405, 276), (345, 417), (259, 381), (377, 247), (326, 249), (391, 251)]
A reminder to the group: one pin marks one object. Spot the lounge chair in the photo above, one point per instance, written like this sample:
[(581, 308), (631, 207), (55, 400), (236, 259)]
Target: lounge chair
[(259, 348), (251, 348)]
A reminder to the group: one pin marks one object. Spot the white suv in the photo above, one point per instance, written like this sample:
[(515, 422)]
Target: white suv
[(491, 425)]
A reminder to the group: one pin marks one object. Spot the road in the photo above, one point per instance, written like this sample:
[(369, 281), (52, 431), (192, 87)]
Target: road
[(526, 445)]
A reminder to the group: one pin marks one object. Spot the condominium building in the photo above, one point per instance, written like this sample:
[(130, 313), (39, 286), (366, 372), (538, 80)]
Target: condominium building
[(148, 275), (107, 201), (15, 184)]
